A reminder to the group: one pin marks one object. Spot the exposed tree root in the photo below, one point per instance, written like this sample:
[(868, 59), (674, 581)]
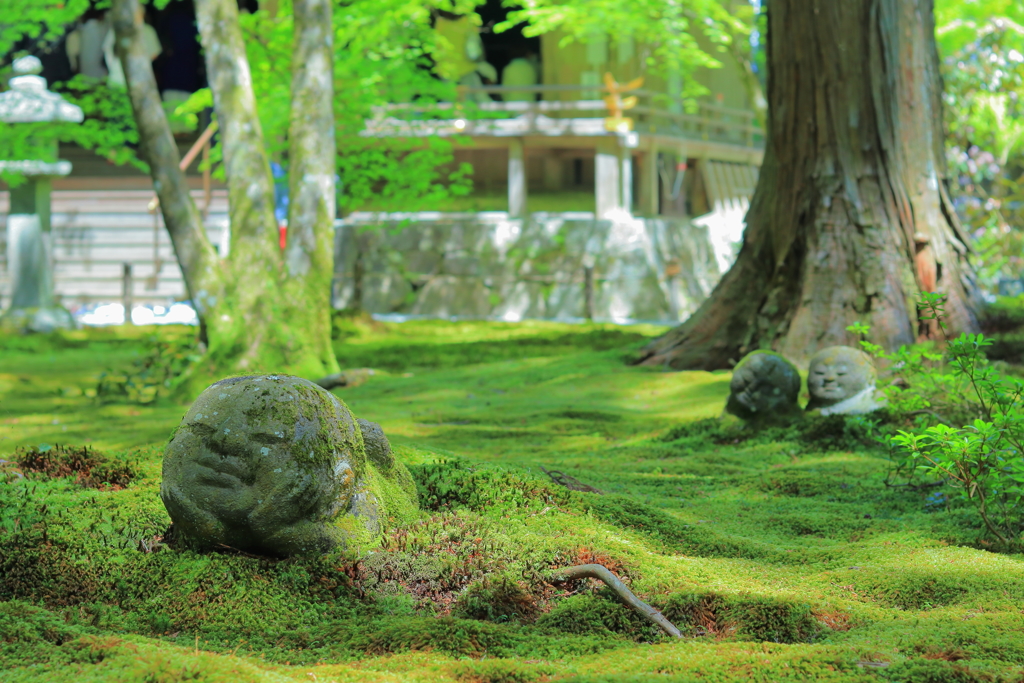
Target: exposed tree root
[(597, 571), (348, 378), (571, 483)]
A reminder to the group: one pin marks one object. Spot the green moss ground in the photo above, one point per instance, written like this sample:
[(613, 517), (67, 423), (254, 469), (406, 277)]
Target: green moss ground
[(780, 560)]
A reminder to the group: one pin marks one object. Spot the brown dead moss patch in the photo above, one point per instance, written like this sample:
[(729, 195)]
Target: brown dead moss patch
[(88, 468)]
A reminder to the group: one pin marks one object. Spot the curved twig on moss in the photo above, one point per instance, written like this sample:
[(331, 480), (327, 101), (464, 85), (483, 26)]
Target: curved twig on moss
[(348, 378), (602, 573)]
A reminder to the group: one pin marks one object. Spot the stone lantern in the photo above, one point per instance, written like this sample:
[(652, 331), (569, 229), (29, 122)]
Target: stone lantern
[(32, 307)]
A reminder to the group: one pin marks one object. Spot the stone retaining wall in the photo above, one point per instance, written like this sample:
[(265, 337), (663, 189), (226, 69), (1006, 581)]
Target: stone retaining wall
[(487, 265)]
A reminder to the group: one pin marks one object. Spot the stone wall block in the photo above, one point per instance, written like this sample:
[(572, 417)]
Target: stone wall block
[(387, 293), (448, 295), (488, 265)]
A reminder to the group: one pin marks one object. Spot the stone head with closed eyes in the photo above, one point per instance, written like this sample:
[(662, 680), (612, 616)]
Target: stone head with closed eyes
[(274, 465), (838, 373)]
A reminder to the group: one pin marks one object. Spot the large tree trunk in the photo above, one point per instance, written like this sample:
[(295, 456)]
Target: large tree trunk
[(851, 218), (261, 309)]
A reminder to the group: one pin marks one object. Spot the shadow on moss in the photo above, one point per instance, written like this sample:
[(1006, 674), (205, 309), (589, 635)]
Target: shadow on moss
[(690, 539), (745, 617)]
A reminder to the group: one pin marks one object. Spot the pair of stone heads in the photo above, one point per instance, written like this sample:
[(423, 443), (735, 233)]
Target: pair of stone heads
[(765, 386)]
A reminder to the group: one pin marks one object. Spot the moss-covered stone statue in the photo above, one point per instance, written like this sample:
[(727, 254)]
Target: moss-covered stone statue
[(276, 465), (841, 381), (764, 389)]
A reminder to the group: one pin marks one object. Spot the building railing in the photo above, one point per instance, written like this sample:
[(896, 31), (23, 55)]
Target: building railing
[(653, 114)]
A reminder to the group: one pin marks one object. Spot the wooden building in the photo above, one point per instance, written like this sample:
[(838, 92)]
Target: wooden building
[(553, 136), (528, 143)]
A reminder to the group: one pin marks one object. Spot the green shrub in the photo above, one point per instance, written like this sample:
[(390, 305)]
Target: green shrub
[(984, 459)]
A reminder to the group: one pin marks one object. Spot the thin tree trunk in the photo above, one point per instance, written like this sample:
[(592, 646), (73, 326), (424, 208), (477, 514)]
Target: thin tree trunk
[(309, 254), (271, 317), (192, 247), (851, 218), (259, 314)]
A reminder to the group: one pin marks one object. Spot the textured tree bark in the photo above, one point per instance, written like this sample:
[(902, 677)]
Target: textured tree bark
[(192, 247), (271, 317), (309, 254), (260, 310), (851, 218)]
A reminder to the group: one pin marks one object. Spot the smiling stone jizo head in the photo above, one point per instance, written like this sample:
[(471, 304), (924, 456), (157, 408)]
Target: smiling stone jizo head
[(842, 379)]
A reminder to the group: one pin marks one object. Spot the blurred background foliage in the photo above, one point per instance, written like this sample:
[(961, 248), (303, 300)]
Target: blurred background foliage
[(981, 43), (383, 54)]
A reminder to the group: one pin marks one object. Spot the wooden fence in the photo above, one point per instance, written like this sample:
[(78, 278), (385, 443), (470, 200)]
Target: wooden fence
[(95, 233), (653, 114)]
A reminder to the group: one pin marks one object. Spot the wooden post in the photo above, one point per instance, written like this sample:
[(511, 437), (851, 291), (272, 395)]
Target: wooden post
[(626, 177), (516, 179), (606, 178), (588, 292), (552, 172), (127, 287), (648, 199)]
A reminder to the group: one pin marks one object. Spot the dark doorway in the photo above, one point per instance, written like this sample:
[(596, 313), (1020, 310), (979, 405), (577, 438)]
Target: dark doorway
[(502, 48), (180, 66)]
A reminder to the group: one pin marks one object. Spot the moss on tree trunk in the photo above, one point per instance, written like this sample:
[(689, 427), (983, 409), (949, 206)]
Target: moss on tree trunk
[(260, 309), (851, 217)]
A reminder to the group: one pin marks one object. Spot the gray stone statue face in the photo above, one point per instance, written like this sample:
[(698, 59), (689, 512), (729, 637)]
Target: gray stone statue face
[(262, 464), (763, 383), (838, 373)]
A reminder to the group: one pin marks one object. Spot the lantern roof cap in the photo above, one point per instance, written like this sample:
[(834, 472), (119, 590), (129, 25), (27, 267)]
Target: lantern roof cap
[(28, 100)]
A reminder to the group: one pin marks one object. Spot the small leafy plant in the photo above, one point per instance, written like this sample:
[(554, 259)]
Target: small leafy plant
[(983, 459)]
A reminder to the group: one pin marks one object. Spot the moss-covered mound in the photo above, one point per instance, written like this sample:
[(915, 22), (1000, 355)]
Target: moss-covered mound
[(782, 555)]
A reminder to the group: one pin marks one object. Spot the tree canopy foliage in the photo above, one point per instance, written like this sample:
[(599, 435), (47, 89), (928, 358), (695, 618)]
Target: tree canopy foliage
[(382, 56), (671, 31)]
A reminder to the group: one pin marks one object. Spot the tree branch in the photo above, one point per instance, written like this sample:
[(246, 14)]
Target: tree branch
[(600, 572)]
